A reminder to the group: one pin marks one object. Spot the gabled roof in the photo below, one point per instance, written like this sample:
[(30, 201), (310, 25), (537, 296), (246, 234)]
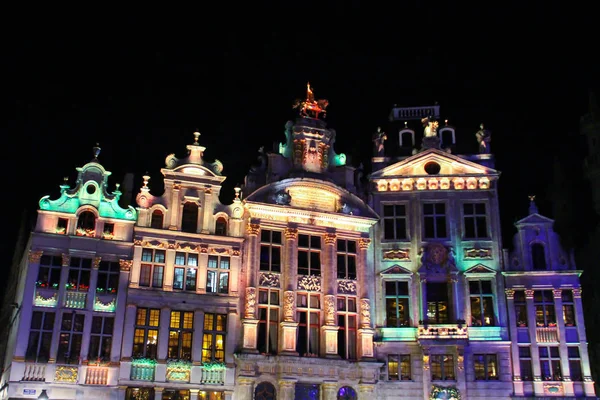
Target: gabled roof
[(534, 219), (450, 165), (480, 269), (396, 270)]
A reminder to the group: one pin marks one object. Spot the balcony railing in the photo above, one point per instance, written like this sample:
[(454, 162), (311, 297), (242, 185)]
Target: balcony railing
[(96, 376), (546, 334), (142, 371), (75, 299), (442, 331), (213, 374), (34, 373)]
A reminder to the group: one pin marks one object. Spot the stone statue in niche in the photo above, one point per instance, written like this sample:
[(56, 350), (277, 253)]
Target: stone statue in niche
[(484, 137), (365, 312), (288, 306), (250, 302), (378, 139)]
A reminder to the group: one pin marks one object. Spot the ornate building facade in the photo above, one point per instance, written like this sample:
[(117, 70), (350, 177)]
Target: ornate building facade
[(314, 283)]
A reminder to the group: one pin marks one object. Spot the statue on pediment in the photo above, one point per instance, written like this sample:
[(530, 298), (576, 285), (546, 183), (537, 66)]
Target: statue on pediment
[(484, 137), (378, 139)]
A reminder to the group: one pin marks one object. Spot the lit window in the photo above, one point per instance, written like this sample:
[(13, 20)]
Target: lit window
[(185, 271), (213, 339), (181, 329), (399, 367), (145, 338), (397, 302), (442, 367), (486, 367), (544, 308), (482, 303), (79, 274)]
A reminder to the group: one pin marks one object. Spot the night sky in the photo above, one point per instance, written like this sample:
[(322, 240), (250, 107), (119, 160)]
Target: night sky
[(141, 86)]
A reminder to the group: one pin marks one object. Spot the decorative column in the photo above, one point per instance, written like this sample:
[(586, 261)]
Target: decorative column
[(366, 332), (158, 393), (329, 331), (289, 328), (202, 268), (287, 388), (538, 386), (456, 296), (26, 307), (174, 207), (205, 218), (120, 312), (160, 371), (512, 327), (290, 274), (197, 338), (588, 383), (250, 323), (562, 343), (194, 394), (423, 281), (169, 270), (366, 391), (426, 373), (136, 266), (253, 258), (329, 390)]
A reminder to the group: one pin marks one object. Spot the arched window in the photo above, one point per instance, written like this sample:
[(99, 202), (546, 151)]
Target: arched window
[(157, 219), (346, 393), (189, 218), (538, 257), (264, 391), (86, 224), (221, 227)]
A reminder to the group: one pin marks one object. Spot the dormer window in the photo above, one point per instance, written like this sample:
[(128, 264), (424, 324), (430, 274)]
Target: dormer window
[(189, 218), (157, 219), (62, 226), (538, 257), (86, 224), (221, 227)]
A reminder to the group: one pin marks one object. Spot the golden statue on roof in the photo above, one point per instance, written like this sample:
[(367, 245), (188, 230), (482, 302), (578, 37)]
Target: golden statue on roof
[(311, 108)]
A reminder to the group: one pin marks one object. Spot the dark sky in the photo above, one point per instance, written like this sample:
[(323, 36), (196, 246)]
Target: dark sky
[(140, 87)]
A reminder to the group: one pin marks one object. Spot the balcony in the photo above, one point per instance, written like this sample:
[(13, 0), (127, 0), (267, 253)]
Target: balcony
[(105, 302), (213, 373), (66, 374), (45, 297), (75, 299), (442, 331), (142, 370), (546, 334), (179, 371)]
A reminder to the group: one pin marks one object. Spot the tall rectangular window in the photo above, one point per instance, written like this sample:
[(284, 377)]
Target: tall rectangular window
[(397, 304), (568, 308), (79, 274), (394, 222), (181, 329), (434, 221), (482, 303), (544, 308), (309, 255), (49, 272), (525, 363), (40, 336), (71, 333), (145, 338), (550, 363), (108, 277), (308, 311), (153, 268), (399, 367), (475, 221), (268, 320), (346, 259), (521, 309), (486, 367), (101, 338), (438, 305), (270, 251), (218, 275), (213, 339), (347, 323), (575, 363), (185, 272), (442, 367)]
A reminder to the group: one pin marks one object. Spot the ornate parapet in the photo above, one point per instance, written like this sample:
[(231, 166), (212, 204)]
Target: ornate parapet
[(443, 331)]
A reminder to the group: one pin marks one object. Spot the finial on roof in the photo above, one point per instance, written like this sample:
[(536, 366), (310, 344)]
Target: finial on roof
[(96, 151), (146, 178), (532, 207), (311, 108), (406, 124), (196, 136), (446, 122)]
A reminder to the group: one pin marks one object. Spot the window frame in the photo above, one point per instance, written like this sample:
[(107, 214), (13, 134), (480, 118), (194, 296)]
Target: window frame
[(489, 359), (309, 250), (443, 367), (102, 335), (267, 323), (186, 267), (347, 333), (153, 267), (397, 297), (552, 361), (43, 332), (269, 246), (435, 216), (308, 326), (112, 270), (218, 272), (346, 255), (53, 272), (75, 338), (481, 296), (393, 218), (545, 306), (183, 329), (146, 328), (474, 216), (211, 329), (402, 360)]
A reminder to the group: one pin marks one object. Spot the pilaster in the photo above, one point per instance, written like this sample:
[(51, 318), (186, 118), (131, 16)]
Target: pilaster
[(329, 390), (26, 305), (538, 386), (329, 286), (287, 388), (366, 391), (128, 332), (163, 333), (197, 337), (290, 274), (288, 331), (512, 320), (252, 261)]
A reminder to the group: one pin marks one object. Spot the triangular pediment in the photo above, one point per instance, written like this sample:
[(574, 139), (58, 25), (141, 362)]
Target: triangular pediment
[(449, 165), (396, 270), (480, 269), (536, 219)]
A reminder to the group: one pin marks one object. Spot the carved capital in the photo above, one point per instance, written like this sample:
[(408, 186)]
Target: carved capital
[(35, 256), (363, 243), (557, 293), (253, 229), (235, 252), (577, 293), (330, 238), (461, 362), (510, 294), (250, 309), (66, 259), (291, 233), (125, 265), (426, 362), (289, 301), (529, 293), (97, 262)]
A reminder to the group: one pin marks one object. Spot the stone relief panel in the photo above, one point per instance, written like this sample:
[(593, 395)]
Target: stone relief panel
[(288, 306), (250, 308), (478, 253), (346, 286), (268, 279), (310, 283)]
